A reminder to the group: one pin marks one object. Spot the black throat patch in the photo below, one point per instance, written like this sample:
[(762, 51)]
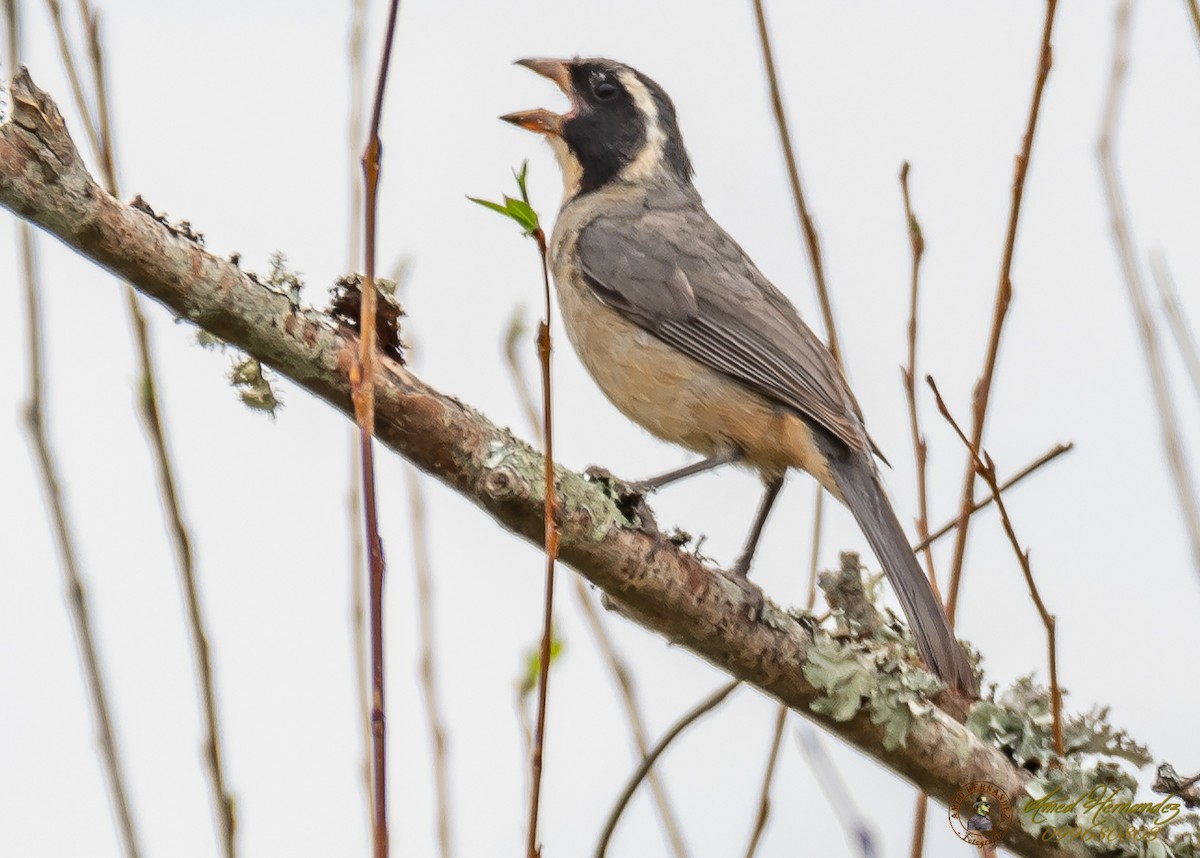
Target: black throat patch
[(607, 135)]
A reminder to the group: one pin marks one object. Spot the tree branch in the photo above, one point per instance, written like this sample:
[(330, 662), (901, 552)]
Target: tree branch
[(673, 594)]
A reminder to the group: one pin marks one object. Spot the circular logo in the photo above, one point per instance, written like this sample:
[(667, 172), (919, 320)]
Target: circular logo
[(981, 813)]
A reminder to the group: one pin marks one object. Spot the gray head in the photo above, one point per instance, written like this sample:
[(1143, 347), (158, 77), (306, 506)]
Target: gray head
[(621, 126)]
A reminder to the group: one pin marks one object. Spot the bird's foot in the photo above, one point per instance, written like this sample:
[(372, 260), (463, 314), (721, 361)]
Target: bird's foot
[(629, 497), (642, 487), (755, 599)]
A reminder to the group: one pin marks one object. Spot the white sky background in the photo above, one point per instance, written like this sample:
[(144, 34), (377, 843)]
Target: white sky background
[(234, 116)]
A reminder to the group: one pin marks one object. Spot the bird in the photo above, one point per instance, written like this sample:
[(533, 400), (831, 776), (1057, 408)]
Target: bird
[(687, 338)]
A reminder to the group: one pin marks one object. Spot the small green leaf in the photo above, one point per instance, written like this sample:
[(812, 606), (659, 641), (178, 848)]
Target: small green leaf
[(520, 210), (521, 178), (523, 214), (488, 204)]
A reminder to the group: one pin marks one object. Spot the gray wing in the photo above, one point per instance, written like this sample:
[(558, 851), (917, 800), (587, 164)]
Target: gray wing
[(679, 276)]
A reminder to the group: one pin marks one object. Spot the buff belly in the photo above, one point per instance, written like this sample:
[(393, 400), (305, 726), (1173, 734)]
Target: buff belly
[(679, 399)]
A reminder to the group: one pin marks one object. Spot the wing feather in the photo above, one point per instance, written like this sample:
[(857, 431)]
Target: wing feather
[(679, 276)]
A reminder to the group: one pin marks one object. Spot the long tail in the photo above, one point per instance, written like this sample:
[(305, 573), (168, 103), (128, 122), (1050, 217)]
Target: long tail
[(856, 476)]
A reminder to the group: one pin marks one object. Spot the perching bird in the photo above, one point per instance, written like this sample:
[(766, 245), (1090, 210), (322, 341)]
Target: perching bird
[(687, 338)]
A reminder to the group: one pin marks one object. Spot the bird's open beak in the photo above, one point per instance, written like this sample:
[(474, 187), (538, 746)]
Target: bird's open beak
[(541, 120)]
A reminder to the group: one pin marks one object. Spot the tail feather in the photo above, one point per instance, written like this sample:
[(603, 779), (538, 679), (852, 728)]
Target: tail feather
[(863, 493)]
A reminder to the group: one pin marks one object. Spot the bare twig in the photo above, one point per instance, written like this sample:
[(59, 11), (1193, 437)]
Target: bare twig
[(48, 469), (637, 725), (920, 449), (1177, 322), (152, 419), (983, 387), (1185, 485), (987, 469), (839, 798), (814, 555), (86, 114), (356, 50), (64, 535), (1044, 459), (1168, 782), (362, 374), (780, 719), (764, 797), (920, 813), (608, 649), (358, 573), (425, 619), (813, 245), (1194, 10), (551, 546), (358, 621), (811, 241), (811, 601), (705, 706), (512, 338)]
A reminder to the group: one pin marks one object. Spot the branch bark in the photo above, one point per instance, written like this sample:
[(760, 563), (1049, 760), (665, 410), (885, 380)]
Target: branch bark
[(44, 181)]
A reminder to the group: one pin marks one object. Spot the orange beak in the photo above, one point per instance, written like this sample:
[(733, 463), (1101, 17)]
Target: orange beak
[(541, 120)]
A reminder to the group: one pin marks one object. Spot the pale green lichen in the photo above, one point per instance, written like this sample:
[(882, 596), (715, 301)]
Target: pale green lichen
[(253, 386), (875, 675), (1089, 795)]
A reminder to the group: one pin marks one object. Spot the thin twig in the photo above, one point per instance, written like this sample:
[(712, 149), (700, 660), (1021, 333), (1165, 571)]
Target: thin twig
[(1044, 459), (362, 381), (1194, 9), (622, 676), (811, 241), (983, 387), (815, 554), (920, 448), (813, 244), (90, 129), (689, 718), (358, 573), (764, 796), (637, 725), (551, 545), (987, 469), (780, 715), (358, 621), (1185, 485), (425, 622), (920, 812), (151, 415), (356, 49), (769, 775), (839, 798), (512, 338), (1177, 322), (64, 535), (810, 602)]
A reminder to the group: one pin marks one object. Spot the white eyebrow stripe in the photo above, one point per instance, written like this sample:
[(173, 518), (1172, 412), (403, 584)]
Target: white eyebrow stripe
[(649, 161)]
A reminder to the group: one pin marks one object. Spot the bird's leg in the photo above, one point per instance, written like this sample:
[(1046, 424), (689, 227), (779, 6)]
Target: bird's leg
[(741, 568), (724, 456)]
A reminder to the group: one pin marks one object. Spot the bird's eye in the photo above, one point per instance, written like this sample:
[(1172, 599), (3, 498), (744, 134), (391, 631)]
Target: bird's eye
[(605, 90)]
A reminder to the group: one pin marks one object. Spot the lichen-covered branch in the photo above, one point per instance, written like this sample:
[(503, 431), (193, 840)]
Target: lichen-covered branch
[(670, 592)]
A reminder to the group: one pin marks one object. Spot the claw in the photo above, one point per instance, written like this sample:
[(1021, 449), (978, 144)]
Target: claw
[(755, 600)]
